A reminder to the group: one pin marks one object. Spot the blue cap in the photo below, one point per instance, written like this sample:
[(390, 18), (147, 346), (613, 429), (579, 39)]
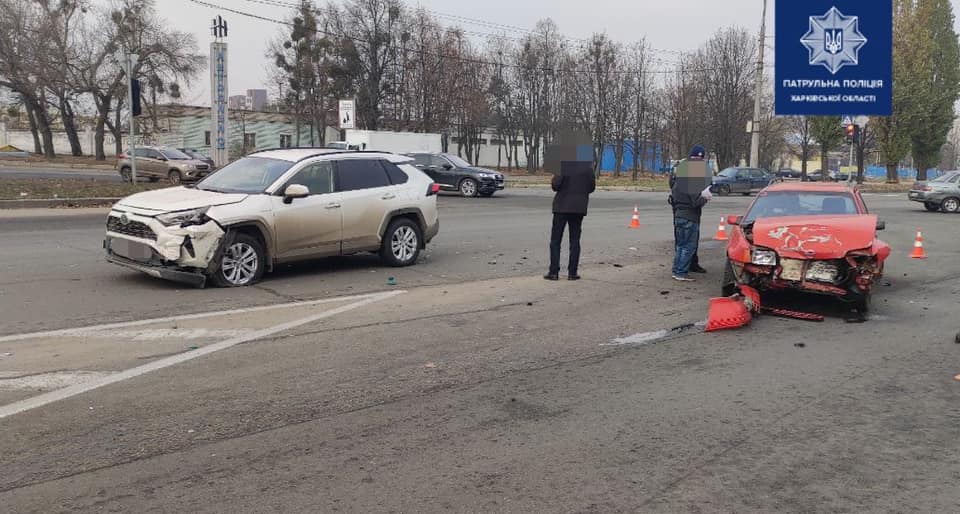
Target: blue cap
[(698, 152)]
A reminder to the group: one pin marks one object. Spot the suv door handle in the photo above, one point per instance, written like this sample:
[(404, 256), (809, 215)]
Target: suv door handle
[(333, 206), (388, 196)]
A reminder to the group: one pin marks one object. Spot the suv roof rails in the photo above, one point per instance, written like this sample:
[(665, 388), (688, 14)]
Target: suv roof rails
[(327, 151)]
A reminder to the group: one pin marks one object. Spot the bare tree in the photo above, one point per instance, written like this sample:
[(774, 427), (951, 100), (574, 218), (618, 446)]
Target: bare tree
[(723, 77), (803, 139)]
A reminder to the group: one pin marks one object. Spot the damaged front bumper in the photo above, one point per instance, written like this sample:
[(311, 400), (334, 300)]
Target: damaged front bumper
[(850, 278), (183, 254)]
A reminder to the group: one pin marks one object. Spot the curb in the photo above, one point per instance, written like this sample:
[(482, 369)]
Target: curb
[(52, 203), (14, 164)]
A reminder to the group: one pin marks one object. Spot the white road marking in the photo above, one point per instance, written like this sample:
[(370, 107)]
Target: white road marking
[(74, 390), (55, 380), (183, 317), (160, 334)]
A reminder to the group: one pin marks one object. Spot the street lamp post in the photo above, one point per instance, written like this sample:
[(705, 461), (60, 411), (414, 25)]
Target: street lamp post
[(758, 95), (130, 61)]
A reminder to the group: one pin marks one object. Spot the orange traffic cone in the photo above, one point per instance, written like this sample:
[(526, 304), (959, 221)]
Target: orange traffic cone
[(635, 222), (918, 252), (722, 231)]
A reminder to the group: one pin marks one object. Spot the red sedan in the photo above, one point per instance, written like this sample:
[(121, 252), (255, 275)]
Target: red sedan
[(812, 237)]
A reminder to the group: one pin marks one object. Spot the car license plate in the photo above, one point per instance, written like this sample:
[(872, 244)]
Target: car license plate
[(131, 250), (791, 269)]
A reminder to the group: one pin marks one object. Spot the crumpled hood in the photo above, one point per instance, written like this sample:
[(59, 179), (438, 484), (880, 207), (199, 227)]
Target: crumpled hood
[(178, 199), (815, 237)]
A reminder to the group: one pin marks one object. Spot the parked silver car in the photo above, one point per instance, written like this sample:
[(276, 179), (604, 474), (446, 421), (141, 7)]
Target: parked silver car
[(159, 162), (939, 194)]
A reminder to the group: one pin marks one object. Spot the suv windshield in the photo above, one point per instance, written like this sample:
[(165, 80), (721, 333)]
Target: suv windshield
[(175, 155), (250, 175), (456, 161), (728, 173), (793, 203)]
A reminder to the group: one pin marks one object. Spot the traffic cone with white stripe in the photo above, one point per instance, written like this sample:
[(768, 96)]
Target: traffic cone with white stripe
[(918, 252), (722, 231), (635, 221)]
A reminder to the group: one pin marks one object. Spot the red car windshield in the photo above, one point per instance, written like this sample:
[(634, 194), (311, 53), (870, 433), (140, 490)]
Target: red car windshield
[(796, 203)]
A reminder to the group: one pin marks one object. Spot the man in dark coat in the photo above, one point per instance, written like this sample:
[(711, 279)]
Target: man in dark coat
[(687, 208), (695, 266), (573, 186)]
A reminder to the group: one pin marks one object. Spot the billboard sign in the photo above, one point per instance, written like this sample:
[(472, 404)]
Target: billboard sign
[(834, 57), (348, 114), (218, 102)]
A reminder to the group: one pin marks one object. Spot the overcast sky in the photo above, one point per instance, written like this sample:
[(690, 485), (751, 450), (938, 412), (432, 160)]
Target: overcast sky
[(668, 25)]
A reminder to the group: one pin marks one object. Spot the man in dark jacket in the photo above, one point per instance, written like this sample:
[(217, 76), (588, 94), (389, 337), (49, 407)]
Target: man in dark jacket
[(698, 153), (688, 204), (573, 186)]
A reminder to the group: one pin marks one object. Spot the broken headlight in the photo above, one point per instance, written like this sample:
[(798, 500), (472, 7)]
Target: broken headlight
[(185, 218), (764, 257)]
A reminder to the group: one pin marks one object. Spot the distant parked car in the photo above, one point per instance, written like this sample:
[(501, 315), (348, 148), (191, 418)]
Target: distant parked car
[(456, 174), (741, 180), (198, 155), (788, 173), (939, 194), (341, 145), (816, 176), (157, 162)]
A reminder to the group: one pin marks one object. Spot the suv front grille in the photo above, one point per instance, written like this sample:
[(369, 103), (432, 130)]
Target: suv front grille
[(131, 228), (202, 167)]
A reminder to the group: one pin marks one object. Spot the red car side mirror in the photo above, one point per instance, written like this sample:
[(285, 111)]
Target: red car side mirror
[(733, 220)]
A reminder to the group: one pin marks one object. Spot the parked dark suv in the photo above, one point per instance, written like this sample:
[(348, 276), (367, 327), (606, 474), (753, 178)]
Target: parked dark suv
[(456, 174)]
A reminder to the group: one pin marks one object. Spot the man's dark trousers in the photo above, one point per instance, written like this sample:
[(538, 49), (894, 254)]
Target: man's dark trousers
[(560, 221)]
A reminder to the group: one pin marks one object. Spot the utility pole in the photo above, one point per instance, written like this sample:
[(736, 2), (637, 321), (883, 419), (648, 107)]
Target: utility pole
[(130, 62), (758, 96)]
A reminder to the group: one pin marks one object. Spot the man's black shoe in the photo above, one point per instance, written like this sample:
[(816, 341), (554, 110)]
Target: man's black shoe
[(698, 269), (551, 277), (573, 277)]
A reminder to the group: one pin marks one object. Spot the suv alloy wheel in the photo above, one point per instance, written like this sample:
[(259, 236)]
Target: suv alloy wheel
[(469, 187), (401, 243), (242, 263)]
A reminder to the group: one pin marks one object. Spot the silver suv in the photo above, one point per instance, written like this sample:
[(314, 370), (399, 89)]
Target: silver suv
[(274, 207), (159, 162)]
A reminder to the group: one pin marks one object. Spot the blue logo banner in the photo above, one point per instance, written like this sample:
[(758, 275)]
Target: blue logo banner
[(834, 57)]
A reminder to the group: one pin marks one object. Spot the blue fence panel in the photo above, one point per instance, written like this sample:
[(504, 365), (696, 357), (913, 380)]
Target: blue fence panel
[(904, 173), (652, 158)]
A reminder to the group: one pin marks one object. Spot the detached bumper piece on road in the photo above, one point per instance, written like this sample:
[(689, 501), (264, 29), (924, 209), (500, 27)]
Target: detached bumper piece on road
[(737, 311)]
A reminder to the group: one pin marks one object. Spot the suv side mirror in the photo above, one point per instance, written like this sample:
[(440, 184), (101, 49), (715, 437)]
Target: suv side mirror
[(733, 220), (448, 166), (294, 191), (881, 225)]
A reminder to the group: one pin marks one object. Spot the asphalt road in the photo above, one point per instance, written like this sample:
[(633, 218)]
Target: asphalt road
[(475, 386)]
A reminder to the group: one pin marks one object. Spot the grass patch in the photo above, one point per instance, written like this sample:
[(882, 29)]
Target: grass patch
[(43, 189), (643, 183)]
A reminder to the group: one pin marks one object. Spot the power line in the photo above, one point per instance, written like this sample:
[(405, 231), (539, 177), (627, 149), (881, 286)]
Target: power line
[(438, 55)]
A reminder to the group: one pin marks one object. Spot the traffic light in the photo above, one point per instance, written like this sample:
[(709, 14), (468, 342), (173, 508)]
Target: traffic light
[(135, 96), (853, 130)]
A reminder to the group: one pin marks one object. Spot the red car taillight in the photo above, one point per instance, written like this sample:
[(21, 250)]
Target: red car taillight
[(123, 155), (433, 189)]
